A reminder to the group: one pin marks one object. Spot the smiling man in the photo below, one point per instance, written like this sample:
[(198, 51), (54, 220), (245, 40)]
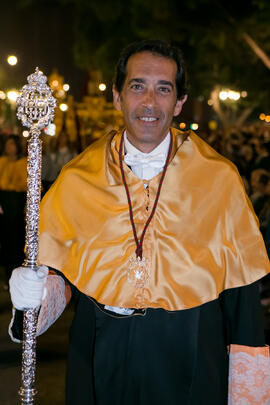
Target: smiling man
[(150, 229)]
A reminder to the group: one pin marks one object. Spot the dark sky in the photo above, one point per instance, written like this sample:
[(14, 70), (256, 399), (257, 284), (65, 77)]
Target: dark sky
[(39, 35)]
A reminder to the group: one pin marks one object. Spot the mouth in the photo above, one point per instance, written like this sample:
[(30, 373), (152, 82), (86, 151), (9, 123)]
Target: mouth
[(148, 119)]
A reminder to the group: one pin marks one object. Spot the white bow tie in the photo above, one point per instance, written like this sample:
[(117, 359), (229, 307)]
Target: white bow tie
[(155, 161)]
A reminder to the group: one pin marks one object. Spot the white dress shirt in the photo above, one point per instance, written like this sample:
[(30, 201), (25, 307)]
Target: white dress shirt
[(146, 165)]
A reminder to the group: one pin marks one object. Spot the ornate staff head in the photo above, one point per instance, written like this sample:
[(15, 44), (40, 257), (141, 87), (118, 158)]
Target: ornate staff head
[(36, 103), (35, 109)]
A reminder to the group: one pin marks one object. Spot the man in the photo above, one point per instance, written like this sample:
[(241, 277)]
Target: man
[(152, 231)]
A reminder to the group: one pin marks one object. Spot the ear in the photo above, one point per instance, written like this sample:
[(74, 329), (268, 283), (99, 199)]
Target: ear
[(179, 104), (116, 99)]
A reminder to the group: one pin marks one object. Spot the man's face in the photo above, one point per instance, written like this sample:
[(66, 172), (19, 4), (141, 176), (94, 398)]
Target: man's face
[(148, 99)]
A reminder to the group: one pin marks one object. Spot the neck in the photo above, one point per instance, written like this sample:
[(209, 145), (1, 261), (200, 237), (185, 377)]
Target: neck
[(143, 146)]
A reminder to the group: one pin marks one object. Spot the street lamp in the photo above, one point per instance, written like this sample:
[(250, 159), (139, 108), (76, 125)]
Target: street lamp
[(12, 60), (12, 96), (63, 107), (230, 94), (102, 87)]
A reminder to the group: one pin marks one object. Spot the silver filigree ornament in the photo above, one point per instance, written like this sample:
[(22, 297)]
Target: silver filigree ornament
[(138, 272), (36, 106)]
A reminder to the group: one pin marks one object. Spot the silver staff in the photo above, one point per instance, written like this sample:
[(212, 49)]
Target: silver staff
[(36, 106)]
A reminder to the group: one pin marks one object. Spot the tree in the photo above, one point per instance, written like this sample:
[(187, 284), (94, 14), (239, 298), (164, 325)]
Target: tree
[(225, 44)]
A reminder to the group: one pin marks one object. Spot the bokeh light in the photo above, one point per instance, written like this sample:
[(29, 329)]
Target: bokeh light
[(194, 126), (12, 95), (63, 107), (212, 124), (12, 60), (102, 87)]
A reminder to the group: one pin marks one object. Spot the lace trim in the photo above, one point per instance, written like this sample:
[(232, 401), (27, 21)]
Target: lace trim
[(54, 303), (249, 376)]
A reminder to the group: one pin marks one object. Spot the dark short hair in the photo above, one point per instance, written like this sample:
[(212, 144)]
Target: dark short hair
[(156, 47)]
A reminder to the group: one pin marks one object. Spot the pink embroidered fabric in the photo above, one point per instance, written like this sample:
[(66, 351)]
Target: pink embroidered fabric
[(57, 297), (249, 375)]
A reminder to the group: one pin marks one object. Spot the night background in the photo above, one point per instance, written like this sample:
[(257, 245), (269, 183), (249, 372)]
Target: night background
[(226, 46), (77, 37)]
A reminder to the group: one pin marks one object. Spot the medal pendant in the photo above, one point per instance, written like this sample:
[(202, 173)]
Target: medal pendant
[(138, 271)]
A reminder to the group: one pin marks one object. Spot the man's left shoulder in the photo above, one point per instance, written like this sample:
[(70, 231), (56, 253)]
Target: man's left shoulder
[(206, 159)]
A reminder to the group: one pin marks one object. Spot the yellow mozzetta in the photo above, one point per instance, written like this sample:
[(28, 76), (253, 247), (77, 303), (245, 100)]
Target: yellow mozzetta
[(203, 239)]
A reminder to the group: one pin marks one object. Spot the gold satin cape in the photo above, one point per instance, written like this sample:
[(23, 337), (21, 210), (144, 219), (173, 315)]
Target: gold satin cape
[(203, 239)]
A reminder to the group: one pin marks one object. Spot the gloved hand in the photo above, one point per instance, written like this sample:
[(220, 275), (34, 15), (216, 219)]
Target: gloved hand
[(27, 287)]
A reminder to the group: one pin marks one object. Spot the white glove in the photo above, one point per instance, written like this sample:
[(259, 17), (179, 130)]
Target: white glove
[(27, 287)]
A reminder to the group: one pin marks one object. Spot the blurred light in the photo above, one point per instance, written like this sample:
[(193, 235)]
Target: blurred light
[(262, 116), (223, 95), (212, 125), (2, 95), (50, 130), (267, 118), (25, 134), (233, 95), (61, 93), (210, 102), (182, 125), (54, 83), (63, 107), (12, 95), (66, 87), (194, 126), (102, 87), (12, 60), (243, 94)]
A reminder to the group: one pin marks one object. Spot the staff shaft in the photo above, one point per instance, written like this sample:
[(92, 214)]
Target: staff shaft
[(27, 390)]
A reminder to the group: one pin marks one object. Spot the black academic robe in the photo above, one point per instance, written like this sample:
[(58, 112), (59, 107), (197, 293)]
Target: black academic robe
[(158, 357)]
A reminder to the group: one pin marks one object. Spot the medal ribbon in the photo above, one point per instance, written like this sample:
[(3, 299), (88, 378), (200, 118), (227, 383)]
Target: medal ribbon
[(139, 243)]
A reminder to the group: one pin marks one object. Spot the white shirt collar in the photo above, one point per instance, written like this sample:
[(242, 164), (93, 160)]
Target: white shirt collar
[(146, 165), (163, 147)]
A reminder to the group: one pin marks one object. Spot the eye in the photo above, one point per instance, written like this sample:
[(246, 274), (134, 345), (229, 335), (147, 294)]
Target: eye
[(136, 86), (164, 89)]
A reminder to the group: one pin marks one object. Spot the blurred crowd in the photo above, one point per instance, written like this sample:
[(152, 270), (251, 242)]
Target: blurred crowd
[(248, 148), (56, 152)]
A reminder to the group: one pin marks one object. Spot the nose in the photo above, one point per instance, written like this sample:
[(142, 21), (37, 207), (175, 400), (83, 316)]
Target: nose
[(149, 99)]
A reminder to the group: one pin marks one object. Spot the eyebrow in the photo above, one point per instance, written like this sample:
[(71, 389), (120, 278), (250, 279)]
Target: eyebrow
[(164, 82)]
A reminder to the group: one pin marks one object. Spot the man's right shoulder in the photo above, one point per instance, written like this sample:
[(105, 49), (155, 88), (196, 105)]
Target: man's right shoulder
[(93, 156)]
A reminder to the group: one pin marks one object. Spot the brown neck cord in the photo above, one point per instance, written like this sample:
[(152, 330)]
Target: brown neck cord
[(139, 243)]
